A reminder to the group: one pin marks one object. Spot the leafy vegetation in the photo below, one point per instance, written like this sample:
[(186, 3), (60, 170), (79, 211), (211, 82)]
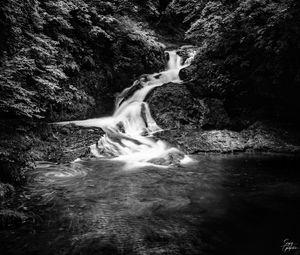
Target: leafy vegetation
[(248, 48), (51, 48)]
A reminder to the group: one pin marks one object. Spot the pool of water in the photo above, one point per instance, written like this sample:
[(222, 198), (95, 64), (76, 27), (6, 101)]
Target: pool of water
[(218, 204)]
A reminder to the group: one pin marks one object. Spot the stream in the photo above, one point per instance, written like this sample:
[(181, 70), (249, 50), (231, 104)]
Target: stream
[(232, 204)]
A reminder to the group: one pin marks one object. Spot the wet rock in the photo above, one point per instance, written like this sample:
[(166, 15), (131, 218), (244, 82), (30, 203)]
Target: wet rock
[(185, 51), (216, 141), (197, 141), (127, 93), (172, 158), (186, 73), (259, 137), (65, 143), (173, 106)]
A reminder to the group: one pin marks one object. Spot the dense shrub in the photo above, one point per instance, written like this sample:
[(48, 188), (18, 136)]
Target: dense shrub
[(247, 47), (49, 47)]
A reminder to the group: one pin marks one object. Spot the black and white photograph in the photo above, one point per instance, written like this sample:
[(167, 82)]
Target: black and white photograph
[(149, 127)]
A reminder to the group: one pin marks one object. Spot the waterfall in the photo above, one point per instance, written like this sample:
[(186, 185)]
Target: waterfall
[(128, 132)]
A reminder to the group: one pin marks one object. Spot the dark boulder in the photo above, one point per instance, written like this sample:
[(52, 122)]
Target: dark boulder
[(186, 73), (173, 106)]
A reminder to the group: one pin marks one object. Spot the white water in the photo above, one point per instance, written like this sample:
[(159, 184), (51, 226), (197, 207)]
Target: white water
[(128, 131)]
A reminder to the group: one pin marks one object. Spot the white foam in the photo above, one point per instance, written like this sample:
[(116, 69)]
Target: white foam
[(128, 130)]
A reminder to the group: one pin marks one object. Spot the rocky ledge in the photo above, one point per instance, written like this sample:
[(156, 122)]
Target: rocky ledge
[(202, 125), (48, 142), (65, 143), (258, 138)]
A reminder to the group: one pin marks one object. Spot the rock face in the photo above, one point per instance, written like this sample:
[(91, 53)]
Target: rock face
[(63, 144), (197, 125), (186, 74), (257, 138), (173, 106)]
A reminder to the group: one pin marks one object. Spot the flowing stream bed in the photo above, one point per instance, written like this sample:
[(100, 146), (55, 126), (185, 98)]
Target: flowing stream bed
[(217, 204)]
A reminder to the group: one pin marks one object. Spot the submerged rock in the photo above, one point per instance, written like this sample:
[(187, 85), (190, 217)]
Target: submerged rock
[(172, 158)]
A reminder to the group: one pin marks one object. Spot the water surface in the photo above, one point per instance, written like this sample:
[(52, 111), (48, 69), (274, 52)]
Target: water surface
[(219, 204)]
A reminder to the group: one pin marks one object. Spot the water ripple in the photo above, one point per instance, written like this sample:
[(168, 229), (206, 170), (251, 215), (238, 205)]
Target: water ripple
[(49, 173)]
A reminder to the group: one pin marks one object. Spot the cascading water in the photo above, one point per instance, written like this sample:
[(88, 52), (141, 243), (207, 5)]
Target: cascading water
[(128, 131)]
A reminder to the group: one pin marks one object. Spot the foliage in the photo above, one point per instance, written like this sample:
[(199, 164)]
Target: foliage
[(188, 10), (49, 45), (248, 47)]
